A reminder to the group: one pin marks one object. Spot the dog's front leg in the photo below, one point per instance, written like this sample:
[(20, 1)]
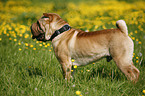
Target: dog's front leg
[(66, 66)]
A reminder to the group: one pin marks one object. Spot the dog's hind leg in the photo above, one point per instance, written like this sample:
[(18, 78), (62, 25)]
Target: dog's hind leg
[(123, 59)]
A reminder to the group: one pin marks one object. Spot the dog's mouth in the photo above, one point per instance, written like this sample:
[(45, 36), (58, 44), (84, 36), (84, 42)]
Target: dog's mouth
[(37, 32)]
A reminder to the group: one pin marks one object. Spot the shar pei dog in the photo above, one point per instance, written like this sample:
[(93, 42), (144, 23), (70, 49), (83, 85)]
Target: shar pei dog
[(86, 47)]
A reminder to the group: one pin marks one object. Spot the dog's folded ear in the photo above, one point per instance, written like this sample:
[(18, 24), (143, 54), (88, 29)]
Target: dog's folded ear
[(47, 15)]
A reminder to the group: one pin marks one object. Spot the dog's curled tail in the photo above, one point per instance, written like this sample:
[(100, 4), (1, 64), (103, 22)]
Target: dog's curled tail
[(122, 26)]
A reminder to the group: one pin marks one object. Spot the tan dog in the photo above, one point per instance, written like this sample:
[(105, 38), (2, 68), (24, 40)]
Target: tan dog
[(86, 47)]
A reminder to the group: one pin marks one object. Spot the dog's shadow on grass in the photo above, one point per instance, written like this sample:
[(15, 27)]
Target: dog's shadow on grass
[(103, 72), (34, 71)]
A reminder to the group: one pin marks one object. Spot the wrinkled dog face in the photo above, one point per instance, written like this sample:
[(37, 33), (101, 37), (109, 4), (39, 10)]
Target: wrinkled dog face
[(40, 30)]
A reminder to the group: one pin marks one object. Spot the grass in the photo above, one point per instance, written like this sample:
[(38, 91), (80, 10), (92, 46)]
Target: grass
[(30, 68)]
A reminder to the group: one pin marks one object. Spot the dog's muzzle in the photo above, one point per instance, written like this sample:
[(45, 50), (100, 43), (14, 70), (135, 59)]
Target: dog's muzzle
[(37, 32)]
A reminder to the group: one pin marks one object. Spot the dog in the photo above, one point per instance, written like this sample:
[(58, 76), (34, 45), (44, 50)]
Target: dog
[(86, 47)]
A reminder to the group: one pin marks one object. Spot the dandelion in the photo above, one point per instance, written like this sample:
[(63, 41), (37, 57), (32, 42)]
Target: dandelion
[(96, 26), (136, 31), (143, 91), (93, 63), (20, 35), (19, 43), (136, 39), (104, 27), (5, 32), (75, 66), (37, 41), (136, 57), (45, 45), (20, 49), (26, 44), (139, 42), (15, 40), (8, 34), (72, 60), (0, 39), (72, 70), (31, 45), (10, 38), (137, 61), (50, 50), (131, 33), (78, 92), (48, 44), (40, 44), (34, 48), (88, 70), (133, 38)]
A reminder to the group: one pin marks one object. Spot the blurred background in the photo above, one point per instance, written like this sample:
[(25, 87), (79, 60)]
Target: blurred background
[(29, 67)]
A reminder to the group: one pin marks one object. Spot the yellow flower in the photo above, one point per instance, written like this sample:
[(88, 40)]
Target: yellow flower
[(34, 48), (15, 40), (10, 38), (45, 45), (104, 27), (96, 26), (143, 91), (78, 92), (0, 39), (139, 42), (19, 43), (72, 60), (8, 34), (136, 39), (75, 66), (26, 44), (72, 70), (26, 35), (20, 35), (131, 33), (40, 44), (88, 70), (133, 38), (20, 49), (136, 57), (31, 45), (48, 44), (50, 50), (137, 61), (135, 31)]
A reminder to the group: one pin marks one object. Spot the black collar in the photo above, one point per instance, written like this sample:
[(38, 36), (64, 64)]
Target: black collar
[(61, 30)]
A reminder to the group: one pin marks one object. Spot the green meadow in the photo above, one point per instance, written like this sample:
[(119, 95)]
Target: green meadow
[(29, 67)]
